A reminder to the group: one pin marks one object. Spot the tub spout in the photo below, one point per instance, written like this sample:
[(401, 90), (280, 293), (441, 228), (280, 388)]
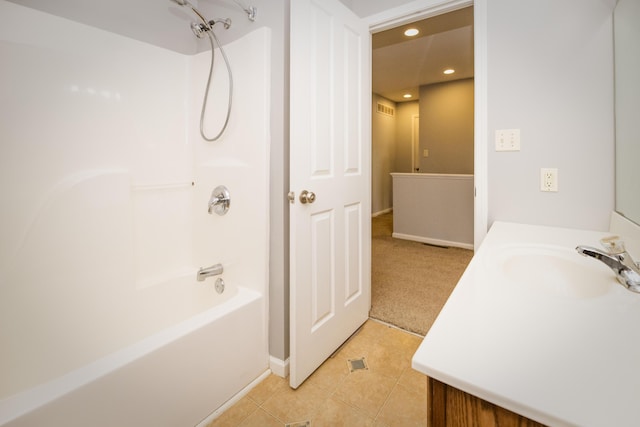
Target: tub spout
[(214, 270), (626, 270)]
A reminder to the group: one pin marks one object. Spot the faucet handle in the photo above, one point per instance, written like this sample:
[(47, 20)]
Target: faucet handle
[(613, 244), (220, 200)]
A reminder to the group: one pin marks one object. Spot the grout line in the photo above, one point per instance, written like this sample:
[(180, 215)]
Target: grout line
[(386, 400)]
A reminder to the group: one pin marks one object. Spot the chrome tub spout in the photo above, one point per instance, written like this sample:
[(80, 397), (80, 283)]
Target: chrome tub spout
[(214, 270)]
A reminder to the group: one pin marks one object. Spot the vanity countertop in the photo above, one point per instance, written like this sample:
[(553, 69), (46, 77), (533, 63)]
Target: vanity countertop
[(538, 329)]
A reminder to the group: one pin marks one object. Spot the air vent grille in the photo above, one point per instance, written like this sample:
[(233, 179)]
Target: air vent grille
[(385, 109)]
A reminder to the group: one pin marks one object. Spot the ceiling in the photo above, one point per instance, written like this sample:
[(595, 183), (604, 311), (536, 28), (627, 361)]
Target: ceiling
[(399, 64), (402, 64), (158, 22)]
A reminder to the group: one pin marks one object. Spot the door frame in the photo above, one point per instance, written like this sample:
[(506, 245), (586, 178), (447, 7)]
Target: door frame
[(415, 143), (422, 9)]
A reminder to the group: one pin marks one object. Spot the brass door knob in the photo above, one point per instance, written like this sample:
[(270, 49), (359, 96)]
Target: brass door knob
[(307, 197)]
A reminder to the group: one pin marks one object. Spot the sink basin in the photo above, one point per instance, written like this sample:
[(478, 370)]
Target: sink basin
[(552, 270)]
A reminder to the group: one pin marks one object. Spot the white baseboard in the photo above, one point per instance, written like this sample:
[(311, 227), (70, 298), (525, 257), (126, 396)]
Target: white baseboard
[(279, 367), (431, 241)]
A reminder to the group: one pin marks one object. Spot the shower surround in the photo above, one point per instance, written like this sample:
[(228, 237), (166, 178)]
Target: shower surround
[(105, 182)]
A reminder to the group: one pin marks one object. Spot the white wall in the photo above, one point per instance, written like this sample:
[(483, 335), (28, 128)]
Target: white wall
[(550, 69)]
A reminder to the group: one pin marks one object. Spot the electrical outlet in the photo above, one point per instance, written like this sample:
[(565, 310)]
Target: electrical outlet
[(549, 179)]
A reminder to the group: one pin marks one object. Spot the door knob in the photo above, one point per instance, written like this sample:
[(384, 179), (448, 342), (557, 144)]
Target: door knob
[(307, 197)]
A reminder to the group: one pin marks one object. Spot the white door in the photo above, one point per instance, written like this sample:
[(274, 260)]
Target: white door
[(330, 156)]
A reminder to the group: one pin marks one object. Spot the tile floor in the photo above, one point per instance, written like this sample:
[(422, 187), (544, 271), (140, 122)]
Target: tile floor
[(389, 393)]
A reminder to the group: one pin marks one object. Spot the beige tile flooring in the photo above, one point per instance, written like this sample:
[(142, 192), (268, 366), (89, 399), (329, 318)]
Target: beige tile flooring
[(389, 393)]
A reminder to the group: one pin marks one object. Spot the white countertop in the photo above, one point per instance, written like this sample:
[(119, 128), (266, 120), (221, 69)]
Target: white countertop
[(538, 329)]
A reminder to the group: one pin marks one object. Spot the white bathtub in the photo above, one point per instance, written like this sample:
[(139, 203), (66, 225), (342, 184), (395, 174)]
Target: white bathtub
[(102, 322), (177, 377)]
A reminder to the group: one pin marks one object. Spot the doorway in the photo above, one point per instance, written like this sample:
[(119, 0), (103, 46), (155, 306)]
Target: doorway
[(409, 70), (406, 71), (424, 9)]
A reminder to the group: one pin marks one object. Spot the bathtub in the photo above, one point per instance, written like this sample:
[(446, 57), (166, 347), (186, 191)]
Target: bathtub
[(102, 321), (177, 377)]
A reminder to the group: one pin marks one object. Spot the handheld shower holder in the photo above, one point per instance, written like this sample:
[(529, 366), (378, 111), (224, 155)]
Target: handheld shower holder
[(199, 28)]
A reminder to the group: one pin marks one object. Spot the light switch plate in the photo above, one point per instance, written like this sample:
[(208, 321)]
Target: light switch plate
[(508, 140)]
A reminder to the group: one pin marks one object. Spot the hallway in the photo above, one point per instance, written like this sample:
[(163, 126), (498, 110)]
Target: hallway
[(411, 281)]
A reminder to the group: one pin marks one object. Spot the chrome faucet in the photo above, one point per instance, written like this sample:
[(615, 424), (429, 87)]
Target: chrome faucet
[(618, 259), (214, 270)]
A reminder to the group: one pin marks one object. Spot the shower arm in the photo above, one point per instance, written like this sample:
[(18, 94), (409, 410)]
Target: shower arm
[(202, 18)]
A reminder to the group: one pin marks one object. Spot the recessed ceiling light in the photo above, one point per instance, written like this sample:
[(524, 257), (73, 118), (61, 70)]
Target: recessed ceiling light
[(411, 32), (406, 95), (449, 71)]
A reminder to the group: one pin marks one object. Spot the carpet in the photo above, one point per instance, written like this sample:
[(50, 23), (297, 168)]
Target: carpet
[(410, 281)]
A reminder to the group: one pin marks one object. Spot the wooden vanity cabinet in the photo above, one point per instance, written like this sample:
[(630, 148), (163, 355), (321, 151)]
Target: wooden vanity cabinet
[(450, 407)]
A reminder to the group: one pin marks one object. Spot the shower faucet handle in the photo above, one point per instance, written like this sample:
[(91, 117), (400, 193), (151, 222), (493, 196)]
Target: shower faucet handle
[(220, 200)]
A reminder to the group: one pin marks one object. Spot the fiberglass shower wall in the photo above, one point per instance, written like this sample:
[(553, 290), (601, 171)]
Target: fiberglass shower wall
[(98, 175)]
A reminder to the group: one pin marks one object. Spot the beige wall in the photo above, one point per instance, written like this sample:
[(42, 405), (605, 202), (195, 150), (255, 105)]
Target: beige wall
[(446, 130), (404, 130), (446, 127), (383, 155)]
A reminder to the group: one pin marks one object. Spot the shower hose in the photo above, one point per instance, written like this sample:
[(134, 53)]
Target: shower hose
[(212, 38)]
